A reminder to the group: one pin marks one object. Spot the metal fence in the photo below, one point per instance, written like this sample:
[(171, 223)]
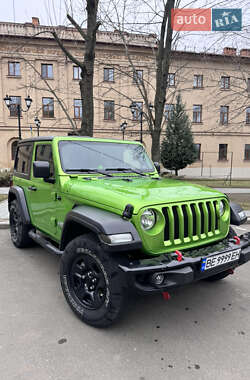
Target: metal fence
[(211, 165)]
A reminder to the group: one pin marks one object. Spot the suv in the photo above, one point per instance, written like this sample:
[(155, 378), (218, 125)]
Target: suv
[(117, 224)]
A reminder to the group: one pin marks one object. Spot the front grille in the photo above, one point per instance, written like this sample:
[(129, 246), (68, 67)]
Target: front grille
[(189, 220)]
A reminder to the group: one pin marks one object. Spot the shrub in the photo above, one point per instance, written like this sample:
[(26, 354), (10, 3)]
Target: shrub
[(5, 178)]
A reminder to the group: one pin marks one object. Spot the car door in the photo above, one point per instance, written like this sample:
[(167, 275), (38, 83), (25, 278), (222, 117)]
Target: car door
[(42, 192)]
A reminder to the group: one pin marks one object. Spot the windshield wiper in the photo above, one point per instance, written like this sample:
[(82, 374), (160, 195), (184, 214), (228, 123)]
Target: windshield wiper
[(131, 170), (90, 171), (127, 170)]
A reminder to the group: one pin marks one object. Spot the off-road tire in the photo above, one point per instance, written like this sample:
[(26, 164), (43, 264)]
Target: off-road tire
[(221, 275), (18, 229), (103, 306)]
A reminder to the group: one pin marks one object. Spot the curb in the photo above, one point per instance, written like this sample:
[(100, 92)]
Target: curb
[(4, 224)]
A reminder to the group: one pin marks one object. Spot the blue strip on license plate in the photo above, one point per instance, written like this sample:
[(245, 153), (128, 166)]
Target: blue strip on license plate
[(220, 259)]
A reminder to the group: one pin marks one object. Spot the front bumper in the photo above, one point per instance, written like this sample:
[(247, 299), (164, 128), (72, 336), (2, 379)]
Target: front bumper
[(178, 273)]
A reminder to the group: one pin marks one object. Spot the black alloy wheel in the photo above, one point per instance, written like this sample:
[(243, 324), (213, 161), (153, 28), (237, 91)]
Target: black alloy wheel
[(88, 282)]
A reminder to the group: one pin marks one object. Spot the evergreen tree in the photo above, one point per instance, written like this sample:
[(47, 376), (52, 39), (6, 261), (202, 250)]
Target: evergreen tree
[(177, 148)]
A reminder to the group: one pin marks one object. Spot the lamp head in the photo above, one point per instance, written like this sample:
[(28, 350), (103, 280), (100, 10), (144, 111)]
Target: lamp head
[(28, 101), (7, 100), (37, 121)]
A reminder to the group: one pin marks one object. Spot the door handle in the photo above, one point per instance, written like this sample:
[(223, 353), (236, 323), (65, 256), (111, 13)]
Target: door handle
[(32, 188)]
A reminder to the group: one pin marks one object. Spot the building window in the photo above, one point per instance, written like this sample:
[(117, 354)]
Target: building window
[(109, 110), (77, 108), (15, 101), (197, 113), (198, 81), (48, 107), (248, 115), (247, 152), (168, 111), (108, 75), (224, 112), (136, 113), (13, 149), (222, 152), (248, 84), (171, 79), (47, 71), (198, 150), (14, 69), (225, 83), (137, 76), (77, 72)]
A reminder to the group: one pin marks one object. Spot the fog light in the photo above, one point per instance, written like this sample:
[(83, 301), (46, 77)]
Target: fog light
[(157, 278)]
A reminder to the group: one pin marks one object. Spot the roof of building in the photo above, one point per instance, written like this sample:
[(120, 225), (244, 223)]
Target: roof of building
[(35, 30)]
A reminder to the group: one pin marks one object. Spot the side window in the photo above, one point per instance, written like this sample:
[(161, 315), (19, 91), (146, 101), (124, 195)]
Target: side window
[(23, 159), (44, 153)]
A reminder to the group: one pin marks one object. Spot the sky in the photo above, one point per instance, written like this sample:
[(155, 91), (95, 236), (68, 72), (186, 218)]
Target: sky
[(52, 12), (23, 10)]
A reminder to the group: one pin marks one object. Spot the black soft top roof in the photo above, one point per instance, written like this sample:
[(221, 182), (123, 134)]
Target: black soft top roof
[(47, 138)]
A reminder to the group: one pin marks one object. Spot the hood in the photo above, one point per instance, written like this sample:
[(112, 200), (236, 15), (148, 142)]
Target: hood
[(114, 193)]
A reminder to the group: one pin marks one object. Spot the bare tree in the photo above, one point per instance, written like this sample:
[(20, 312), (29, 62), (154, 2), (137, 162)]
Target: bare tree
[(87, 65), (162, 50)]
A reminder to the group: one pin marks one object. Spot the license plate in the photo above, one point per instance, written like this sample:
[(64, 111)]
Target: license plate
[(220, 259)]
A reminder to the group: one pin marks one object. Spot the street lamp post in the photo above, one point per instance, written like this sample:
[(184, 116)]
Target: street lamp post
[(38, 124), (134, 108), (28, 102), (123, 127)]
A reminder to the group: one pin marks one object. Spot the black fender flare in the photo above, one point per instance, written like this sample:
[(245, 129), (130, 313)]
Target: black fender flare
[(101, 222), (16, 192)]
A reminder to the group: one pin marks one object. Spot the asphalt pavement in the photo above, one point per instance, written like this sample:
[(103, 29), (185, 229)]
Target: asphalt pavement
[(202, 333)]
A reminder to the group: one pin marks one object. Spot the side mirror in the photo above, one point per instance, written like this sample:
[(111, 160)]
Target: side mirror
[(158, 167), (238, 215), (41, 169)]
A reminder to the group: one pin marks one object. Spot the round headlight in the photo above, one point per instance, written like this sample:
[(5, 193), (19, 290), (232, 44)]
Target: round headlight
[(148, 219), (221, 208)]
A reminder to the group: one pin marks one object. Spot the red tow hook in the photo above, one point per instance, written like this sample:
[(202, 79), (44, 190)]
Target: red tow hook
[(179, 255), (166, 296), (236, 240), (230, 271)]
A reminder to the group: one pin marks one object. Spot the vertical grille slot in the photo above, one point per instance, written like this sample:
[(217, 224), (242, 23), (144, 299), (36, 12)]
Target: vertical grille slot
[(166, 229), (194, 219), (209, 216), (216, 216), (202, 218), (176, 222), (185, 216)]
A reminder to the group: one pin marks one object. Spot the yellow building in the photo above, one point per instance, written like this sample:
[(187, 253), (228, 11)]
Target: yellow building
[(214, 87)]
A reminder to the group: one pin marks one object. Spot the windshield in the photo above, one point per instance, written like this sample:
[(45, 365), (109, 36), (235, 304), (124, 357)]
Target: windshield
[(89, 155)]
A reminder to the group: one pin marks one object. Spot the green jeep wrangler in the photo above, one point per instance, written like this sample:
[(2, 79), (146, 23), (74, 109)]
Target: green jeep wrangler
[(118, 225)]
